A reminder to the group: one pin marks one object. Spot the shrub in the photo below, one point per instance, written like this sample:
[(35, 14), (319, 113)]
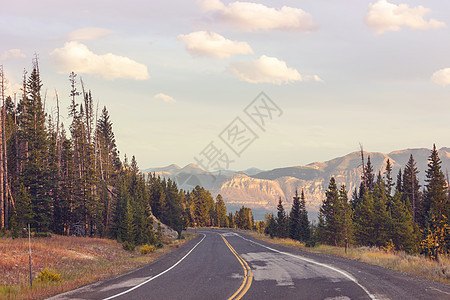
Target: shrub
[(147, 249), (310, 243), (47, 275), (129, 246), (389, 246)]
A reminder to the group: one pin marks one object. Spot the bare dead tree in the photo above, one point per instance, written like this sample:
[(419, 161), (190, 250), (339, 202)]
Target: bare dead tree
[(413, 190), (58, 143), (363, 175), (5, 155), (2, 171)]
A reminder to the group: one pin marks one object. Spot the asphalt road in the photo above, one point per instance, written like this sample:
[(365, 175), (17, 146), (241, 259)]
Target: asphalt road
[(221, 264)]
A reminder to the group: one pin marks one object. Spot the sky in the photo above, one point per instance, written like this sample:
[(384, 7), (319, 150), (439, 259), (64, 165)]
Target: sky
[(182, 79)]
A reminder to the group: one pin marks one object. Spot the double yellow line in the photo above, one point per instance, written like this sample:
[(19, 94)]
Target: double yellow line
[(248, 275)]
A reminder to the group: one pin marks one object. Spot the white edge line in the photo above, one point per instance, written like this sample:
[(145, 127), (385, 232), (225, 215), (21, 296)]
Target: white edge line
[(317, 263), (156, 276)]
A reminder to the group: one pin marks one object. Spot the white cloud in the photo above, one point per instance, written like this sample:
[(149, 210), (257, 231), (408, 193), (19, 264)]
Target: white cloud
[(441, 77), (213, 44), (267, 70), (384, 16), (13, 83), (12, 53), (88, 33), (253, 16), (76, 57), (165, 98), (312, 78)]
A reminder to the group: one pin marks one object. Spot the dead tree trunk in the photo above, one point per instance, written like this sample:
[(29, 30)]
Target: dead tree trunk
[(2, 171)]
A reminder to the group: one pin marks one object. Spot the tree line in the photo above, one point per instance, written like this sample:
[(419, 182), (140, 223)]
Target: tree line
[(200, 210), (71, 180), (381, 213)]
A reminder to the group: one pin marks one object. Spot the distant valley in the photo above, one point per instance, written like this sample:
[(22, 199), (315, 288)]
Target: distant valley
[(260, 189)]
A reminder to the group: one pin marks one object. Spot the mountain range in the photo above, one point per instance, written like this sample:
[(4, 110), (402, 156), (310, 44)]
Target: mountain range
[(260, 190)]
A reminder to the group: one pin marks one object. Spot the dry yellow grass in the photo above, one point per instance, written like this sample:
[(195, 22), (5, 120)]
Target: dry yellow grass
[(78, 260), (397, 261)]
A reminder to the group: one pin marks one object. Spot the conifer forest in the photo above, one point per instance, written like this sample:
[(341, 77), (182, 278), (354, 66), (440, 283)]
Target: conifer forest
[(68, 179)]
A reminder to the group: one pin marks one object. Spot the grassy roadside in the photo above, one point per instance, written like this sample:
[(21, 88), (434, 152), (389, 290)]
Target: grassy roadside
[(395, 261), (78, 260)]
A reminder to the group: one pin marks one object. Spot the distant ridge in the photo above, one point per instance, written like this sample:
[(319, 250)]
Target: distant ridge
[(260, 190)]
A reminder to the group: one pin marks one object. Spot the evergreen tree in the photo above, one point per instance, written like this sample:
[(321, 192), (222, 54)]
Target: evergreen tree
[(399, 185), (331, 226), (244, 218), (35, 173), (381, 219), (363, 217), (221, 212), (435, 202), (231, 220), (436, 206), (282, 222), (23, 213), (304, 227), (294, 218), (388, 178), (402, 228), (129, 226), (347, 215), (271, 225), (411, 193), (369, 175)]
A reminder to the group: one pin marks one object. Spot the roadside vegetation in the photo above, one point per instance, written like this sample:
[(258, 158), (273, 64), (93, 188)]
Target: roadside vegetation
[(396, 225), (62, 263)]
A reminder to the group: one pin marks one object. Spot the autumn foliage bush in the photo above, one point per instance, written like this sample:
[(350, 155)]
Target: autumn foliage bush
[(48, 275)]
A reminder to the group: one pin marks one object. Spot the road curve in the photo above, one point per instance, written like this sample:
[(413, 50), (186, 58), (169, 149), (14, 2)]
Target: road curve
[(221, 264)]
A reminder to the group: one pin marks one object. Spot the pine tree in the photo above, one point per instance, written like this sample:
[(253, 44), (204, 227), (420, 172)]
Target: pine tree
[(23, 213), (304, 227), (411, 191), (231, 223), (244, 218), (129, 224), (281, 220), (294, 218), (369, 175), (402, 228), (363, 217), (347, 215), (399, 185), (221, 212), (34, 140), (388, 177), (331, 226), (435, 200), (271, 226), (436, 204), (381, 219)]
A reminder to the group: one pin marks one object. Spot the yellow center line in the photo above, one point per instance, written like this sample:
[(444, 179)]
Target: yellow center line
[(248, 275)]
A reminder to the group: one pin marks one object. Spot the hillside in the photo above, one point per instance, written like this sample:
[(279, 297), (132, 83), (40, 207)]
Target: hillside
[(78, 260), (260, 190)]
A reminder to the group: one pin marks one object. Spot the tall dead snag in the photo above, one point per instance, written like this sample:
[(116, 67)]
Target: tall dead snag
[(4, 151), (3, 203), (363, 175)]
